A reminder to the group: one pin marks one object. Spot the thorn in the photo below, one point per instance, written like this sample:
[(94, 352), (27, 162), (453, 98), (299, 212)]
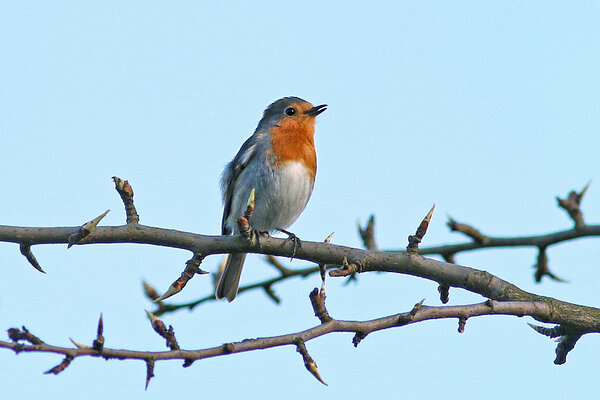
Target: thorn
[(149, 290), (311, 366), (554, 332), (309, 363), (79, 345), (85, 229), (323, 267), (414, 240), (416, 308), (98, 344), (60, 367), (26, 251), (149, 371)]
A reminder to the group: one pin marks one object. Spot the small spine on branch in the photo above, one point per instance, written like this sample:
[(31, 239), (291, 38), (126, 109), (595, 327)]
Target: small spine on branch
[(85, 230), (367, 234), (160, 328), (467, 230), (414, 240), (126, 192), (309, 363), (462, 322), (150, 291), (444, 293), (17, 335), (572, 205), (553, 332), (60, 367), (323, 267), (542, 269), (79, 345), (98, 343), (416, 308), (192, 267), (149, 371), (26, 251)]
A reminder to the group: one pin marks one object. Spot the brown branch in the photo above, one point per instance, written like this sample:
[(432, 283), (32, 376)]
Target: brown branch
[(452, 275), (546, 240), (467, 230), (537, 309), (164, 308)]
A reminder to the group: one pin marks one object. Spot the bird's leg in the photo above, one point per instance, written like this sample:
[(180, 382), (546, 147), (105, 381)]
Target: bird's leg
[(293, 238)]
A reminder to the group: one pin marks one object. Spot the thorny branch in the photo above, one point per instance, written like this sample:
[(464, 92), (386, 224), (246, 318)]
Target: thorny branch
[(360, 328), (571, 320)]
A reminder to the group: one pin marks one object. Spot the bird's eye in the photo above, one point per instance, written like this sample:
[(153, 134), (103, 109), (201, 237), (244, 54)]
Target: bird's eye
[(290, 111)]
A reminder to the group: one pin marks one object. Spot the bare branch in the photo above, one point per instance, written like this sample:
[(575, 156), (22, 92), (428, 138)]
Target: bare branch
[(361, 328), (467, 230), (546, 240)]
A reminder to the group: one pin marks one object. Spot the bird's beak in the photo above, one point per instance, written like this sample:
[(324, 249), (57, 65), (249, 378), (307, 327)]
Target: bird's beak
[(313, 112)]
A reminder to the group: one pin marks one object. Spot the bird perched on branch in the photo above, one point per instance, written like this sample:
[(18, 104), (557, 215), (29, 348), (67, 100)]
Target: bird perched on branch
[(279, 162)]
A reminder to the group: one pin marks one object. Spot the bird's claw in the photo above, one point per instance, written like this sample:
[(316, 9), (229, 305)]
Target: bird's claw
[(291, 236)]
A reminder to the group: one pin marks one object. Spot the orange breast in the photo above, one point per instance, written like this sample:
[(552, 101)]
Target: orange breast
[(293, 140)]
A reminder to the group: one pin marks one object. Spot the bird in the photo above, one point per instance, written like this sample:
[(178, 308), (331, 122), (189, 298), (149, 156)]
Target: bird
[(279, 163)]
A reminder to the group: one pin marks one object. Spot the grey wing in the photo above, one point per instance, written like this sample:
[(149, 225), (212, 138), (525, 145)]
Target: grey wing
[(230, 175)]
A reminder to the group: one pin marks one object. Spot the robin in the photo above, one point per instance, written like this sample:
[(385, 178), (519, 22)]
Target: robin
[(279, 162)]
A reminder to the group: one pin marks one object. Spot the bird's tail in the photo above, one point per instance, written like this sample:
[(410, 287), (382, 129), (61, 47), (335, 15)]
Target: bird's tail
[(230, 277)]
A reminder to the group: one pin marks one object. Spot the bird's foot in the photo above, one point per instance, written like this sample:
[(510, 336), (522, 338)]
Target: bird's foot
[(294, 239)]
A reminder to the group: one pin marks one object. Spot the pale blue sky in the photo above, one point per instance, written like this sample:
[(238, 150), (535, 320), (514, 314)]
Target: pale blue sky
[(488, 109)]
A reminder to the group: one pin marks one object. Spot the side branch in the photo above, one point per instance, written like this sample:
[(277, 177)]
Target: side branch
[(359, 327), (539, 241)]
